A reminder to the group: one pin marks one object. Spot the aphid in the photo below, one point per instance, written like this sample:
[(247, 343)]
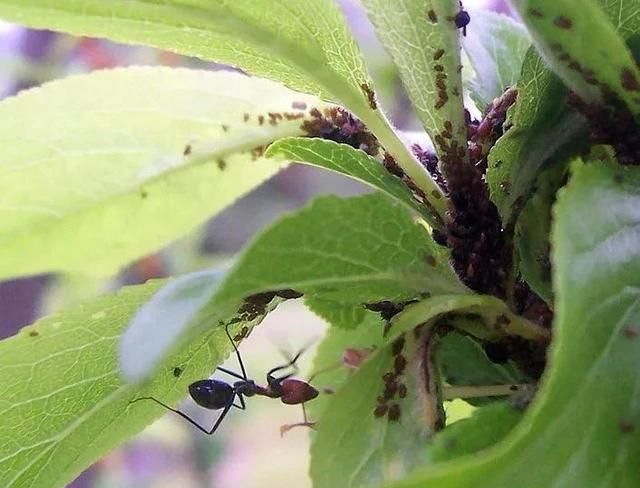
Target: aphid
[(397, 346), (220, 395), (399, 363), (242, 334), (288, 294), (380, 411), (394, 412), (187, 150), (371, 96), (177, 371)]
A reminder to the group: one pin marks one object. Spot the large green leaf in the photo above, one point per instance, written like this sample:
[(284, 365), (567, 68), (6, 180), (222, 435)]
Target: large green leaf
[(423, 41), (303, 43), (350, 162), (580, 430), (353, 251), (100, 169), (496, 46), (559, 30), (363, 441), (62, 401)]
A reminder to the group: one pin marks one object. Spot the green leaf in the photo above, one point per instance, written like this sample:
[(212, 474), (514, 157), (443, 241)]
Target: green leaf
[(380, 449), (496, 45), (105, 154), (483, 429), (544, 130), (424, 43), (303, 43), (533, 231), (62, 401), (329, 371), (350, 162), (559, 30), (353, 251), (356, 447), (463, 362), (580, 430), (338, 314)]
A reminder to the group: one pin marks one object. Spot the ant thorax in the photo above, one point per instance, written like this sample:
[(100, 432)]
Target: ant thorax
[(247, 388)]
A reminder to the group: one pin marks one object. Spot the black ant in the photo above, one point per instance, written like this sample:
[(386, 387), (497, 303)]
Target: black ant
[(462, 19), (219, 395)]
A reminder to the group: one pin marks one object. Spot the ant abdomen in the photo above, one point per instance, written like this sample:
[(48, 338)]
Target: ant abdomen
[(211, 394), (295, 392)]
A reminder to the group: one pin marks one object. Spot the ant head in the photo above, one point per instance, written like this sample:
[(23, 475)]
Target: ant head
[(295, 392)]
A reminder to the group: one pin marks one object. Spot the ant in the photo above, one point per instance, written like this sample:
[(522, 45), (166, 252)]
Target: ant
[(462, 19), (219, 395)]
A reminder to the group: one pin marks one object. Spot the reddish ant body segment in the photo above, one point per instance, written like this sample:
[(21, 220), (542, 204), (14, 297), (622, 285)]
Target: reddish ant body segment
[(219, 395)]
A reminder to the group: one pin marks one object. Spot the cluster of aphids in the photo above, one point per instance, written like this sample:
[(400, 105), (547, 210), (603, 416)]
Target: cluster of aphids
[(610, 123), (392, 384), (394, 168), (483, 134), (256, 305), (338, 125), (387, 310)]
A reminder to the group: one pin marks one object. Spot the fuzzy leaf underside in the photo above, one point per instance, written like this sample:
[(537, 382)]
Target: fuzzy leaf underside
[(346, 161), (89, 163), (580, 429), (62, 400)]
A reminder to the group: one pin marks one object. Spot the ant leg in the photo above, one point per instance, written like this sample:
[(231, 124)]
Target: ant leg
[(189, 419), (287, 427), (229, 372), (242, 405), (244, 373), (290, 364)]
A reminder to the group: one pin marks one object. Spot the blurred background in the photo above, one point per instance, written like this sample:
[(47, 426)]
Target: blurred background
[(247, 451)]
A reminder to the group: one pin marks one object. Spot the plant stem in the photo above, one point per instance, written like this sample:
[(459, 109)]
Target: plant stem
[(390, 140)]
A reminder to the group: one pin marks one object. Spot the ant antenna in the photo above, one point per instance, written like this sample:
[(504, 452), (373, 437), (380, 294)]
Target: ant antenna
[(244, 372)]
